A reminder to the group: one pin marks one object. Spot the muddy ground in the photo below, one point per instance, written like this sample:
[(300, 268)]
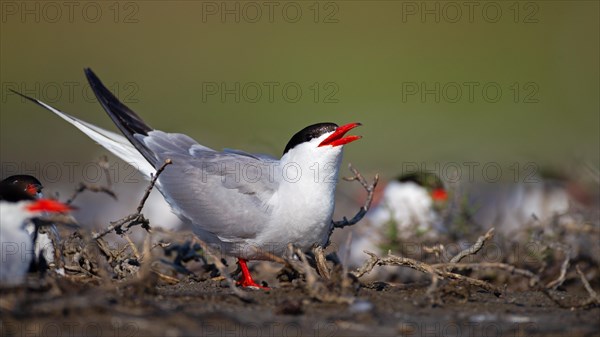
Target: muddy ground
[(157, 283), (74, 307)]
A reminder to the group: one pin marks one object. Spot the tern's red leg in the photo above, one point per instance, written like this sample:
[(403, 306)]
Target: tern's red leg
[(246, 279)]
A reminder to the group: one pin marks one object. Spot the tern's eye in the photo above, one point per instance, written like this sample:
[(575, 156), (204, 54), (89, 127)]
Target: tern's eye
[(32, 189)]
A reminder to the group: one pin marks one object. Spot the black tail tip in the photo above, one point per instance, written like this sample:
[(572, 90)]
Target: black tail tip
[(89, 73)]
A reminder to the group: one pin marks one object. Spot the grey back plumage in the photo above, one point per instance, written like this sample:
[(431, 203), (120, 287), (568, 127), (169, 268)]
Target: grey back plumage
[(225, 193)]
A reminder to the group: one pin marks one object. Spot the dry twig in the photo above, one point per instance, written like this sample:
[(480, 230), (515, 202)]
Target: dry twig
[(321, 262), (593, 294), (315, 286), (137, 218), (152, 183), (475, 248), (103, 163), (563, 269), (438, 250), (134, 249), (534, 279), (370, 188), (130, 221), (392, 260), (93, 188)]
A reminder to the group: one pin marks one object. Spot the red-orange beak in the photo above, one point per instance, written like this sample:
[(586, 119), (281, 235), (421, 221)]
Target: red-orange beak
[(337, 137), (49, 205)]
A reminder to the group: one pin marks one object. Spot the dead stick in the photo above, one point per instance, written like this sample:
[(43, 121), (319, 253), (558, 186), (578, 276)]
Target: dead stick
[(593, 295), (136, 218), (114, 225), (392, 260), (363, 210), (152, 183), (534, 279), (475, 248), (93, 188), (563, 270)]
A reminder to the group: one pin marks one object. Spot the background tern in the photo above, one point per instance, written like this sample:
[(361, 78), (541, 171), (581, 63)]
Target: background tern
[(408, 208), (17, 208), (45, 237), (245, 205)]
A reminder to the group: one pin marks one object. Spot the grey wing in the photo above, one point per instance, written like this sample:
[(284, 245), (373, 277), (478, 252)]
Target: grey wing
[(224, 193), (261, 156)]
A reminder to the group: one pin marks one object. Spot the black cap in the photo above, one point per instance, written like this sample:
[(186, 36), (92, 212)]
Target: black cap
[(13, 193), (308, 133), (23, 182)]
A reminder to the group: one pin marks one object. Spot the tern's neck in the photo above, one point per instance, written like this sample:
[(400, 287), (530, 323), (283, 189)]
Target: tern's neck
[(308, 179), (13, 215), (319, 168)]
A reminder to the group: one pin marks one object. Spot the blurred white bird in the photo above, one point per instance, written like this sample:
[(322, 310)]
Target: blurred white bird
[(511, 208), (408, 208)]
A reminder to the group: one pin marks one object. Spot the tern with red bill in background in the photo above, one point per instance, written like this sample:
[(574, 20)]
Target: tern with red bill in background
[(245, 205), (45, 237), (17, 208), (409, 207)]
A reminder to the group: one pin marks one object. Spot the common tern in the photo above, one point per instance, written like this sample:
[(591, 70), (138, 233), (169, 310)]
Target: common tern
[(246, 205), (409, 207), (17, 208), (43, 236)]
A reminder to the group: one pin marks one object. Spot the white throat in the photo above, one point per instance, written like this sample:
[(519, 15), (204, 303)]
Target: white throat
[(304, 202)]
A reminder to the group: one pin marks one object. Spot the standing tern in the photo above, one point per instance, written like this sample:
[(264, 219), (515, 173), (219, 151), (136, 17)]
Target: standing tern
[(246, 205)]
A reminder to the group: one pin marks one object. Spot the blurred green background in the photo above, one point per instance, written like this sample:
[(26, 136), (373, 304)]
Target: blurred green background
[(367, 61)]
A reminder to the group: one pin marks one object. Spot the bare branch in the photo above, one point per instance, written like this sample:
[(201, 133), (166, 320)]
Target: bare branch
[(475, 248), (166, 278), (392, 260), (137, 218), (152, 183), (92, 188), (130, 220), (368, 266), (103, 163), (563, 269), (370, 188), (593, 295), (438, 250), (534, 279), (134, 249), (315, 286), (321, 262), (432, 293)]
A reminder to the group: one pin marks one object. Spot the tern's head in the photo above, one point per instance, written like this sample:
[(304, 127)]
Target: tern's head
[(26, 183), (17, 205), (322, 140)]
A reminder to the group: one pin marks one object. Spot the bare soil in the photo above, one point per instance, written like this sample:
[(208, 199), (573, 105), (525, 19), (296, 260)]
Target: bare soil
[(70, 307)]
